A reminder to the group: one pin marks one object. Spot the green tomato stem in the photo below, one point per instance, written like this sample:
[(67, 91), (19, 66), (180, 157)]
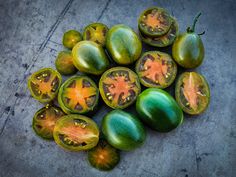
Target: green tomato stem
[(195, 21)]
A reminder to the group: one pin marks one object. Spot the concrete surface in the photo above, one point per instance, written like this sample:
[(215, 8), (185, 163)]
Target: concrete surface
[(30, 38)]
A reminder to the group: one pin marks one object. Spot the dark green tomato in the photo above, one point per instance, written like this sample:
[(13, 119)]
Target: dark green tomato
[(154, 22), (192, 93), (188, 49), (89, 57), (44, 84), (64, 63), (123, 130), (45, 119), (70, 38), (123, 44), (96, 32), (78, 94), (165, 40), (76, 132), (159, 110), (103, 156)]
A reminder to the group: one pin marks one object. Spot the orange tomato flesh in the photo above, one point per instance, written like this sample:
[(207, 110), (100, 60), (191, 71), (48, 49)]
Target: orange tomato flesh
[(79, 93)]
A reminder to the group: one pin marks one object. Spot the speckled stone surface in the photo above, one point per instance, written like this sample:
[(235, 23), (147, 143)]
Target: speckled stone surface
[(30, 38)]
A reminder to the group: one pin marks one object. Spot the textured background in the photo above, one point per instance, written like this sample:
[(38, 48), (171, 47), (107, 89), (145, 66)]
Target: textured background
[(30, 38)]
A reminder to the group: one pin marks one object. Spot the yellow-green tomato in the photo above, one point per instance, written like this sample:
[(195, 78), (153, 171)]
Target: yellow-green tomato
[(89, 57), (123, 44)]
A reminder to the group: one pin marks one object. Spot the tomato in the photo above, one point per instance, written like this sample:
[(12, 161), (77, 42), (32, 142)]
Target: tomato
[(123, 130), (103, 156), (70, 38), (119, 87), (123, 44), (64, 63), (156, 69), (192, 93), (78, 94), (76, 132), (96, 32), (44, 84), (45, 119), (89, 57), (154, 22), (188, 49), (165, 40), (159, 110)]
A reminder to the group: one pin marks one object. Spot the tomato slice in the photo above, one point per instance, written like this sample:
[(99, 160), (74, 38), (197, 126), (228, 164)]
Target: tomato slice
[(79, 94), (154, 21), (119, 87), (156, 69), (96, 32), (45, 119), (103, 156), (76, 132), (192, 93), (44, 84), (165, 40)]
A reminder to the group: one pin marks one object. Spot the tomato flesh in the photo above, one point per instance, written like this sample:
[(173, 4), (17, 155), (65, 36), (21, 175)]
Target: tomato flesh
[(155, 22), (45, 119), (76, 132), (79, 94), (119, 87), (156, 69), (96, 32), (192, 93), (162, 41), (103, 156), (44, 84)]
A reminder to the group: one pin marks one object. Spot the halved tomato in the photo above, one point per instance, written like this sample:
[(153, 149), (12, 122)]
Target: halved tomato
[(192, 93), (119, 87), (76, 132), (44, 84), (78, 94), (156, 69), (45, 119)]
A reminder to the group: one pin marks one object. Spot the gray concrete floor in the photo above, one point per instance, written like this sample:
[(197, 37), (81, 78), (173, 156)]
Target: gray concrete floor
[(30, 38)]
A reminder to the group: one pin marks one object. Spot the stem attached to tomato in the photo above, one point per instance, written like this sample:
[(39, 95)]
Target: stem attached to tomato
[(189, 29)]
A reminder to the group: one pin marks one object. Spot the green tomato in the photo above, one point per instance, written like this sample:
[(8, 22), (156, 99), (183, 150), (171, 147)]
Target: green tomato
[(159, 110), (89, 57), (188, 49), (44, 84), (96, 32), (123, 130), (154, 22), (64, 63), (78, 94), (70, 38), (192, 93), (75, 132), (123, 44)]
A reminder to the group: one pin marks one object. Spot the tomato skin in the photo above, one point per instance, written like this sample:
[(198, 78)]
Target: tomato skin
[(123, 130), (188, 50), (89, 57), (123, 44), (159, 110)]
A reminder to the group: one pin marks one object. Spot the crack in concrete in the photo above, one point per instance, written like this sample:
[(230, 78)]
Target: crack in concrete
[(103, 10), (41, 48)]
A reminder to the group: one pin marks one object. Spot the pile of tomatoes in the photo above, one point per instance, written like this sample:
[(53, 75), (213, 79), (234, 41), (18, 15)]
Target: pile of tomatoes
[(110, 54)]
